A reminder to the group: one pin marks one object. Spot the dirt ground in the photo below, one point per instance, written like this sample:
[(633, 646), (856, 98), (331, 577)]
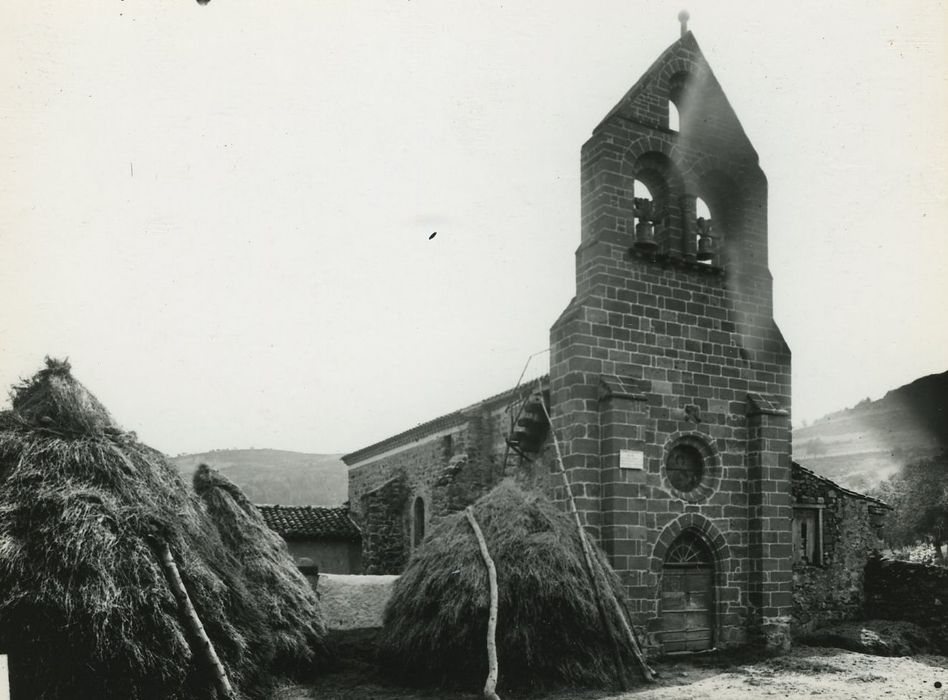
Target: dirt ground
[(805, 672)]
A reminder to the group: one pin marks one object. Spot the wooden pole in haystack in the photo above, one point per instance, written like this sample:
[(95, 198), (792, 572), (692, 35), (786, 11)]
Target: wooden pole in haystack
[(490, 687), (592, 569), (193, 622)]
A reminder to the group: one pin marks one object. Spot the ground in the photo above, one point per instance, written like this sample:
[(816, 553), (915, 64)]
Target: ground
[(804, 672)]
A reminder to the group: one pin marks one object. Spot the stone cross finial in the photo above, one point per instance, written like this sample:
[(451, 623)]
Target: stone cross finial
[(683, 17)]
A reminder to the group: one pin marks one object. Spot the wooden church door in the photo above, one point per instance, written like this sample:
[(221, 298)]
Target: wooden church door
[(687, 596)]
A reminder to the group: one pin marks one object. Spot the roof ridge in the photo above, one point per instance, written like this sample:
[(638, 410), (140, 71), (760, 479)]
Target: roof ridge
[(441, 422), (841, 488)]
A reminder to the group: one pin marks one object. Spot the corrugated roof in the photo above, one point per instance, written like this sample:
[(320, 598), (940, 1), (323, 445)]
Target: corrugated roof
[(305, 522)]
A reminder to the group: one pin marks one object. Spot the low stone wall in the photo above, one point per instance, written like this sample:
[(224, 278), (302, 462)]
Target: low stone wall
[(353, 602), (900, 590)]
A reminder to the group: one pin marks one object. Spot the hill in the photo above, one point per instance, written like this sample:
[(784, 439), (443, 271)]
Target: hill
[(862, 445), (277, 476)]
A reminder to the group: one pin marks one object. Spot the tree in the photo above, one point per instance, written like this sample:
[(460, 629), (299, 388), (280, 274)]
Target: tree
[(919, 495)]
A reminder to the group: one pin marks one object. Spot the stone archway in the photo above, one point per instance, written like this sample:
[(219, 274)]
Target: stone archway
[(686, 597), (713, 563)]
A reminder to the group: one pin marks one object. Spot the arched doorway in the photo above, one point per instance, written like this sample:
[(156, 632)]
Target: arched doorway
[(687, 595)]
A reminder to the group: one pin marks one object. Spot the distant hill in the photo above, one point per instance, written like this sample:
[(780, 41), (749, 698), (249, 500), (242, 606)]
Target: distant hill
[(862, 445), (277, 476)]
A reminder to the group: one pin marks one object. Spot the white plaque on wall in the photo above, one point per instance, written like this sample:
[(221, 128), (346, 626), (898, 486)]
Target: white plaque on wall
[(4, 678), (631, 459)]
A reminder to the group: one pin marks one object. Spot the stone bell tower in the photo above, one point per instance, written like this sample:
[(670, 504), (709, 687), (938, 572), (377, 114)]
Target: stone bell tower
[(670, 381)]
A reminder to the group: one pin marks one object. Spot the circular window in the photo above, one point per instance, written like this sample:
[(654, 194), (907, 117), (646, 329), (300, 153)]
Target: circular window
[(685, 467)]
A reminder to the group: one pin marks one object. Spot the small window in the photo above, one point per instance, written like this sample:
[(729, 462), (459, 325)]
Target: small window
[(418, 521), (677, 99), (807, 536), (705, 231), (685, 467)]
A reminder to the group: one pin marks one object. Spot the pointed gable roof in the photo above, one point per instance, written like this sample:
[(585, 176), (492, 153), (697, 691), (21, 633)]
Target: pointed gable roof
[(712, 116)]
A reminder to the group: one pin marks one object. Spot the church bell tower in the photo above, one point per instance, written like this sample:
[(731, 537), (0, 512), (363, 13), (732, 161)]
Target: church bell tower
[(670, 381)]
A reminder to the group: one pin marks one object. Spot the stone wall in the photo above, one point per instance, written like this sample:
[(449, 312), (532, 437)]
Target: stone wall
[(899, 590), (354, 602), (385, 530), (419, 463), (471, 472), (383, 491)]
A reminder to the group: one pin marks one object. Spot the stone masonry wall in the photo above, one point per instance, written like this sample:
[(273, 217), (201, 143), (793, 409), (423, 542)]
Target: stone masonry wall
[(898, 590), (449, 470), (420, 464), (385, 531), (470, 473), (834, 589)]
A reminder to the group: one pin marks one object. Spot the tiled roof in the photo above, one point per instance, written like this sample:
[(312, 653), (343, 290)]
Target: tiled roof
[(310, 522)]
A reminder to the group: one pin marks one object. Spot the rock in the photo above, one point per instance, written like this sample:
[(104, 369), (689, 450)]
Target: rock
[(876, 637)]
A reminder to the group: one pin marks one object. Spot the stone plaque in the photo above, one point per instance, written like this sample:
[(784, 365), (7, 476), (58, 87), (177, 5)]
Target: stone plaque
[(631, 459), (4, 678)]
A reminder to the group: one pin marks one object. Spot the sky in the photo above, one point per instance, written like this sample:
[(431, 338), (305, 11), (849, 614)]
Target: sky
[(222, 214)]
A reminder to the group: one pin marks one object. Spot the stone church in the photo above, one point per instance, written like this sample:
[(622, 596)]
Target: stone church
[(669, 385)]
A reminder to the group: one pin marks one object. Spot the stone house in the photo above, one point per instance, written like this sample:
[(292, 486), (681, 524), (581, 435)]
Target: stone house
[(320, 539), (833, 532), (669, 383)]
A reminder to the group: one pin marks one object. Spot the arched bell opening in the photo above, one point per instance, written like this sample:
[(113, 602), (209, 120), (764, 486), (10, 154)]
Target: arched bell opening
[(718, 220), (656, 189)]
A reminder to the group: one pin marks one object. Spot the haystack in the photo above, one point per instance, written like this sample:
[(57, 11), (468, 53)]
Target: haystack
[(549, 631), (293, 637), (85, 606)]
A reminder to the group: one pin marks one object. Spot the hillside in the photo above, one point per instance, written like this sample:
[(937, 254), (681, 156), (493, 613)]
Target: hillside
[(862, 445), (277, 476)]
